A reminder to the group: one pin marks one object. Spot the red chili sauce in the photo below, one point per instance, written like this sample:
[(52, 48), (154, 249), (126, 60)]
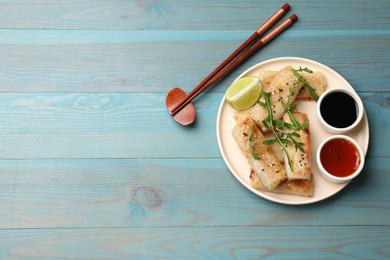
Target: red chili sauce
[(340, 157)]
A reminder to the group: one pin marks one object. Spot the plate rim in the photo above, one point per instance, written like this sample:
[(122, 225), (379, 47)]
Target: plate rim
[(264, 194)]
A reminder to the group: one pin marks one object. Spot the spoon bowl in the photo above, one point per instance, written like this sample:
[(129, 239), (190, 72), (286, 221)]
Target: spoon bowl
[(185, 116)]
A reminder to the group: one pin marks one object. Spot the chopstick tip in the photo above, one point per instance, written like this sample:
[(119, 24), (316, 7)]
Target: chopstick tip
[(286, 7), (293, 18)]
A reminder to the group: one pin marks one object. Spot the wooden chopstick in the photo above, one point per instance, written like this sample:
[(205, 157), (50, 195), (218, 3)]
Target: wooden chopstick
[(205, 82), (260, 31)]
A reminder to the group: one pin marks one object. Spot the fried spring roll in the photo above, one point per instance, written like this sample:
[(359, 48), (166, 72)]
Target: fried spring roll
[(300, 160), (317, 80), (296, 187), (283, 89), (267, 167)]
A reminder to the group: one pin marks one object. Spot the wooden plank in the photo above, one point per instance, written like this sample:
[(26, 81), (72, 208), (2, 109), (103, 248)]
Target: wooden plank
[(189, 243), (104, 125), (170, 193), (97, 169), (187, 15), (132, 61), (128, 125)]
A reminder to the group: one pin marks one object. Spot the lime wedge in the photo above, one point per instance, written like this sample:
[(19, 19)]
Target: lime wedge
[(244, 93)]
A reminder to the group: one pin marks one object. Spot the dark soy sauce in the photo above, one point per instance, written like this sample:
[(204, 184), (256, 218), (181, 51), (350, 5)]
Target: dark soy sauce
[(339, 109)]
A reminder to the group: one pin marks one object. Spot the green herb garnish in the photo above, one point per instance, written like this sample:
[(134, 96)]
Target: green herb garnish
[(305, 70), (268, 122), (282, 137), (302, 80), (295, 124), (252, 144)]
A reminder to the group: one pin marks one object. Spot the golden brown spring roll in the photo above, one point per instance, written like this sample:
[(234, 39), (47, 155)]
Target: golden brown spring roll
[(283, 89), (266, 166), (296, 187), (300, 160)]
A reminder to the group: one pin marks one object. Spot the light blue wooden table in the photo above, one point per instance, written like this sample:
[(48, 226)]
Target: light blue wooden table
[(92, 165)]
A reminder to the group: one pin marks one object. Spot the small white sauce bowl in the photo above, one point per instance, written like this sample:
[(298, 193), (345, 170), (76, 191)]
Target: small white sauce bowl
[(328, 175), (336, 130)]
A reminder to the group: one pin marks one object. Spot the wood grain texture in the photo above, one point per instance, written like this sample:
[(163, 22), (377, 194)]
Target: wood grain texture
[(133, 61), (216, 243), (128, 125), (169, 193), (187, 15), (93, 167)]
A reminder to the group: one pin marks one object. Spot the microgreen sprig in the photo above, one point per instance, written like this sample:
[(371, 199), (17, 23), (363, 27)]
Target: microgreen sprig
[(280, 136), (251, 144), (269, 122), (303, 81), (296, 125)]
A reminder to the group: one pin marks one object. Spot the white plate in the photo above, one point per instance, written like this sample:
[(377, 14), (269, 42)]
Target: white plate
[(238, 164)]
